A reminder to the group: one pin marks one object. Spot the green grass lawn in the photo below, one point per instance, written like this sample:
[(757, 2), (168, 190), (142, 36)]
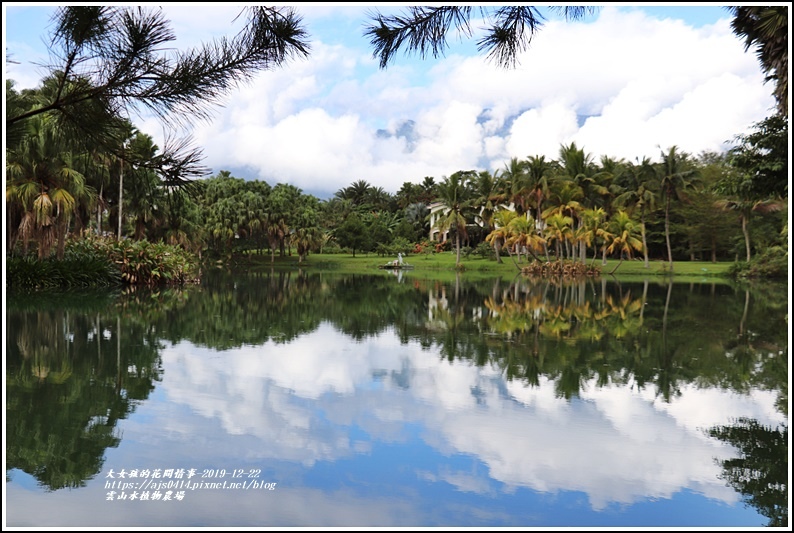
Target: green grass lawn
[(442, 263)]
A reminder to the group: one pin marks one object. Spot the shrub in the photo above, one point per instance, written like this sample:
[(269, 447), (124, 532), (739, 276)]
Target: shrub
[(92, 261), (401, 245), (485, 251), (82, 266), (146, 263), (772, 263)]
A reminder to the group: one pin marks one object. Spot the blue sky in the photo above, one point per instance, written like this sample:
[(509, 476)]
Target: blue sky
[(627, 82)]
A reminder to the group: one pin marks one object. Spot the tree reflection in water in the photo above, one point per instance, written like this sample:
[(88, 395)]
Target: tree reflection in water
[(76, 367)]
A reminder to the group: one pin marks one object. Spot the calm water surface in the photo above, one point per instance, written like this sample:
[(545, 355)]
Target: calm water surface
[(293, 399)]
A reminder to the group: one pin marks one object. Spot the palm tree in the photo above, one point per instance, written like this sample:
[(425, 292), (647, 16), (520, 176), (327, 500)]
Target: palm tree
[(417, 215), (513, 179), (766, 28), (595, 229), (558, 230), (487, 197), (624, 237), (378, 199), (356, 192), (44, 185), (640, 195), (498, 236), (564, 200), (522, 234), (144, 191), (453, 195), (746, 208), (579, 168), (428, 189), (408, 194), (538, 171), (305, 239), (676, 175)]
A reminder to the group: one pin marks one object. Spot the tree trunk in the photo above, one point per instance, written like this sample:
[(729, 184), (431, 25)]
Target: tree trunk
[(121, 194), (746, 236), (63, 228), (99, 211), (644, 241), (618, 265), (667, 232)]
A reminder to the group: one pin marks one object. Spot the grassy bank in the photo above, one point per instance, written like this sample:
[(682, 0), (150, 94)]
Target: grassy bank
[(443, 263)]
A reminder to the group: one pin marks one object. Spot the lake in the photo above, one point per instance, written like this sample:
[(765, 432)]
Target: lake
[(305, 399)]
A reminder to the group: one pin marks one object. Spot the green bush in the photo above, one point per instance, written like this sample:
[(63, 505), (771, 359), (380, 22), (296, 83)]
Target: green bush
[(92, 261), (147, 263), (485, 251), (401, 245), (82, 266), (772, 263)]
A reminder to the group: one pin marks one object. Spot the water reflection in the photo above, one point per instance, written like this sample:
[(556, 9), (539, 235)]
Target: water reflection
[(378, 392)]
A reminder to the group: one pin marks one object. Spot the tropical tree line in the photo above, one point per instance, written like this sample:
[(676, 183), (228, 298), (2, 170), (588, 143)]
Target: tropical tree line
[(715, 206)]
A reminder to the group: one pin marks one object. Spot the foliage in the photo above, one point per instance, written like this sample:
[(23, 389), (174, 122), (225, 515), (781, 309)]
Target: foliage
[(69, 382), (353, 234), (92, 261), (116, 61), (772, 263), (762, 161), (508, 30), (766, 29), (82, 266), (145, 263), (484, 250), (758, 474)]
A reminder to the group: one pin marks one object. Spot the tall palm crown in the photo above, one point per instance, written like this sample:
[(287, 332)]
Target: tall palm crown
[(42, 186), (677, 173), (455, 197)]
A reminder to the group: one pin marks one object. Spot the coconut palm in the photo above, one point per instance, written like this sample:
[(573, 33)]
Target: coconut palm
[(676, 175), (595, 230), (538, 172), (579, 168), (640, 194), (498, 236), (454, 196), (558, 230), (564, 200), (488, 196), (514, 181), (523, 235), (624, 237)]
